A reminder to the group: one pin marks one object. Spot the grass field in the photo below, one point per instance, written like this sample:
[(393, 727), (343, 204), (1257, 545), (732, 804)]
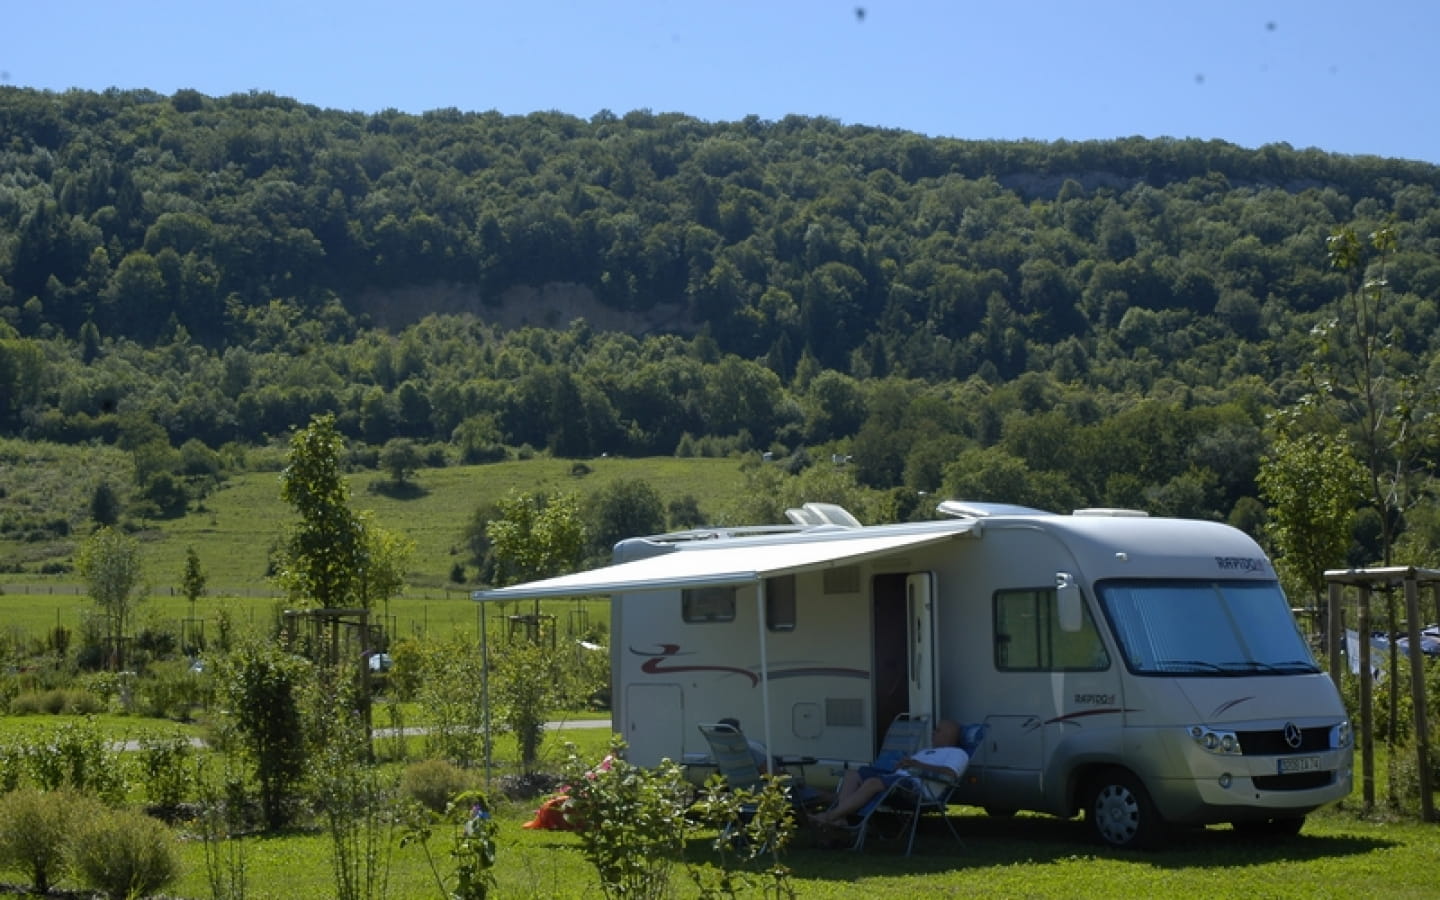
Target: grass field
[(1339, 854), (234, 529)]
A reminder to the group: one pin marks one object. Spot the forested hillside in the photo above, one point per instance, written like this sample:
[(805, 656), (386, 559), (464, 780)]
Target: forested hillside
[(1063, 324)]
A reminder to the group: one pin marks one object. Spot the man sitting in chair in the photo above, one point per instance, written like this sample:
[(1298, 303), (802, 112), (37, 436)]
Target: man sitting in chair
[(944, 758)]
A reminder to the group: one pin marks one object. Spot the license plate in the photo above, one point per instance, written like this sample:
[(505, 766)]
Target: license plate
[(1289, 765)]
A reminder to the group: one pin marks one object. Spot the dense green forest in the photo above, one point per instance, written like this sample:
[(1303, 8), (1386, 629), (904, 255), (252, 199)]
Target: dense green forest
[(1060, 324)]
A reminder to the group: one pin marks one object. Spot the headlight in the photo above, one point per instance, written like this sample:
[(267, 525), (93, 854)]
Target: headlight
[(1340, 736), (1213, 741)]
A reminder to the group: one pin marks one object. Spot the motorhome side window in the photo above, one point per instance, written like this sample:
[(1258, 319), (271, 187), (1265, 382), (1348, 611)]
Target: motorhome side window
[(780, 603), (708, 604), (1028, 636)]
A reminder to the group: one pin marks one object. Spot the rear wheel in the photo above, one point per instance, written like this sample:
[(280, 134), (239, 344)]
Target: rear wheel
[(1119, 812), (1280, 826)]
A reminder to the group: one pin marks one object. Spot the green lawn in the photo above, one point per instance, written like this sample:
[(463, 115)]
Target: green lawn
[(234, 529), (1339, 854)]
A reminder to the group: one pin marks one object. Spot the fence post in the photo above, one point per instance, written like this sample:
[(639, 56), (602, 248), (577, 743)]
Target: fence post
[(1417, 693)]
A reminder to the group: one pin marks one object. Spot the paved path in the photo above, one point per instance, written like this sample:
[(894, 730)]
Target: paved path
[(378, 733)]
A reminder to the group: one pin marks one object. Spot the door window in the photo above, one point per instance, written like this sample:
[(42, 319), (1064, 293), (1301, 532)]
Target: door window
[(1028, 636)]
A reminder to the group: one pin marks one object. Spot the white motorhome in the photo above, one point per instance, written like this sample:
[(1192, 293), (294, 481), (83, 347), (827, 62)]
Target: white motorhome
[(1146, 671)]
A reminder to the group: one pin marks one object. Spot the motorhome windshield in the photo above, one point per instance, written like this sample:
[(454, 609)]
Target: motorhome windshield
[(1205, 628)]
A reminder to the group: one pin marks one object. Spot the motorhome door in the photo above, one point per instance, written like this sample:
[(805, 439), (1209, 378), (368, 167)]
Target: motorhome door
[(920, 633), (903, 672)]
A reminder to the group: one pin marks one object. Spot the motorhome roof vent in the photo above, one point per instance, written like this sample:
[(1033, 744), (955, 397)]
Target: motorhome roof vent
[(1111, 511), (969, 509), (800, 516), (822, 514)]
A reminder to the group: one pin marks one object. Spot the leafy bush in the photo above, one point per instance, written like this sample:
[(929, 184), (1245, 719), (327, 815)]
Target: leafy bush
[(474, 844), (527, 685), (55, 702), (433, 783), (165, 768), (123, 854), (450, 673), (262, 689), (474, 851), (34, 830), (9, 690), (349, 792), (223, 817), (587, 679), (75, 755), (752, 827), (13, 762), (113, 688), (171, 691), (634, 822)]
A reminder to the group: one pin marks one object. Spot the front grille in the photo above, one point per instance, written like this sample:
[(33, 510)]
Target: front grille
[(1302, 781), (1272, 743)]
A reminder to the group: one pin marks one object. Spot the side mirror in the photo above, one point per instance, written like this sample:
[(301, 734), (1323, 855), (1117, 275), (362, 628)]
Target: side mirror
[(1068, 602)]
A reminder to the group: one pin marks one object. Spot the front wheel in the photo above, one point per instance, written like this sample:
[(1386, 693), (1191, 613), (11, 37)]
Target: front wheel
[(1120, 814)]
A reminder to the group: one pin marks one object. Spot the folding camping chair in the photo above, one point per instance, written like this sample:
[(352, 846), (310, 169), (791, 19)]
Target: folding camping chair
[(904, 736), (730, 752), (912, 794)]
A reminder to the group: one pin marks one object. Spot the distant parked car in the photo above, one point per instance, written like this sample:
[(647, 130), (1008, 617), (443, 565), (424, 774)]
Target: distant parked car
[(380, 662)]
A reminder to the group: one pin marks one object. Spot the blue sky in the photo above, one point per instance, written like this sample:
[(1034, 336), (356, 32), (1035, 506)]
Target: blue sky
[(1345, 77)]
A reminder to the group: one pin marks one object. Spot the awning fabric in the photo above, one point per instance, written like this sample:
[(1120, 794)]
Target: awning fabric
[(736, 562)]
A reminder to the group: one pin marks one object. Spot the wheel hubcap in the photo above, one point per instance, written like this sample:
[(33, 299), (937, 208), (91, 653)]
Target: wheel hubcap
[(1117, 815)]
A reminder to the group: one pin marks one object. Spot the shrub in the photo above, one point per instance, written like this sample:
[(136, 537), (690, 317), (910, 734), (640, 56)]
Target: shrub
[(171, 691), (123, 853), (27, 704), (473, 849), (634, 822), (526, 686), (223, 817), (165, 768), (753, 828), (75, 755), (350, 794), (12, 766), (9, 690), (262, 689), (113, 688), (433, 783), (56, 701), (449, 672), (34, 828)]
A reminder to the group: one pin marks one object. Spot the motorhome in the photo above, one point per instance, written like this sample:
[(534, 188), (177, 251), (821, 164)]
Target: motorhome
[(1145, 672)]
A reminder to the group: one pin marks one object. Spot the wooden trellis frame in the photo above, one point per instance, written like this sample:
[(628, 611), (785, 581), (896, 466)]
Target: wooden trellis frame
[(1366, 581)]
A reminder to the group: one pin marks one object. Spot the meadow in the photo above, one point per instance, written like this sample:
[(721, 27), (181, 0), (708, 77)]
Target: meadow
[(234, 527), (233, 530), (1339, 854)]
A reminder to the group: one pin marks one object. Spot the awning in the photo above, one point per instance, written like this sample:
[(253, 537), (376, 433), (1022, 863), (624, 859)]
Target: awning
[(704, 564)]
